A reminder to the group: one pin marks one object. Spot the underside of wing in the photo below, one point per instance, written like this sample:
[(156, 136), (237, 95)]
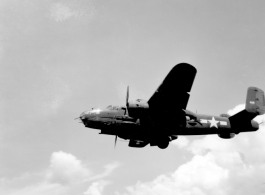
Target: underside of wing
[(172, 95)]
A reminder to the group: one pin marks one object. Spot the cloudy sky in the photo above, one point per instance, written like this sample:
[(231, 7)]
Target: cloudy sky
[(59, 58)]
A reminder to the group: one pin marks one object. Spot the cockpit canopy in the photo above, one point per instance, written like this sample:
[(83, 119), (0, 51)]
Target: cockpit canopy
[(110, 107)]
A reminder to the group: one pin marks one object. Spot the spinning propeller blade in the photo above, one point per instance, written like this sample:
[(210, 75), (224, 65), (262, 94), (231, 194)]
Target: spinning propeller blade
[(127, 100), (127, 96), (115, 141)]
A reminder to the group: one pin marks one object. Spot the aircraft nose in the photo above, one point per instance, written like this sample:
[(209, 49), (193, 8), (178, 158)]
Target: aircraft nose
[(84, 118), (82, 115), (90, 118)]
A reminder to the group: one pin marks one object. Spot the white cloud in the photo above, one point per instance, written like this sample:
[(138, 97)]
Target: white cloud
[(237, 109), (199, 176), (181, 142), (65, 175), (201, 171), (43, 188), (108, 170), (96, 188), (66, 169), (60, 11), (218, 167)]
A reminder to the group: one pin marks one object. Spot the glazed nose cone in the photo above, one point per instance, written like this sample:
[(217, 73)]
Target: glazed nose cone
[(90, 117), (83, 115)]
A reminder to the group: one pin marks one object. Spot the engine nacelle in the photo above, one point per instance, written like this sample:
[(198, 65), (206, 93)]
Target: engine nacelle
[(226, 135), (137, 108)]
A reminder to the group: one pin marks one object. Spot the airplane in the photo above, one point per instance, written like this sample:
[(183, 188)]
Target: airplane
[(164, 117)]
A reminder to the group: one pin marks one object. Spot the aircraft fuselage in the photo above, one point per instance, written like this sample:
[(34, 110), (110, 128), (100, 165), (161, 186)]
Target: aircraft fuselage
[(114, 121)]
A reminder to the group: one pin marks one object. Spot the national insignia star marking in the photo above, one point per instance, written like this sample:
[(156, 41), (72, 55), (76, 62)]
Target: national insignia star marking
[(213, 122)]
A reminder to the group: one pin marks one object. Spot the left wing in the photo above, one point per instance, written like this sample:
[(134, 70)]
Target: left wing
[(171, 97)]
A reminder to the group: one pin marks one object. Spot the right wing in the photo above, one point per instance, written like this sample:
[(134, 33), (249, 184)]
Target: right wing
[(175, 87), (171, 97)]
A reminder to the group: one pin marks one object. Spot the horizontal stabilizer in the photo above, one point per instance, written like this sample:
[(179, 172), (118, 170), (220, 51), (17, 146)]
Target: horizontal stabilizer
[(255, 102)]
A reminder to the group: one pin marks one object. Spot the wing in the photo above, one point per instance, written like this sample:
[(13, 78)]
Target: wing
[(172, 95)]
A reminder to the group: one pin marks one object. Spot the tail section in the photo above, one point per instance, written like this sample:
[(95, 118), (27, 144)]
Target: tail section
[(255, 105), (255, 102)]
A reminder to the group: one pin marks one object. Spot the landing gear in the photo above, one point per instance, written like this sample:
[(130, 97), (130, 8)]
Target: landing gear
[(163, 142)]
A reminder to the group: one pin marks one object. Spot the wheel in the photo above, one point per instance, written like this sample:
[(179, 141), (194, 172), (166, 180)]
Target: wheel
[(163, 144)]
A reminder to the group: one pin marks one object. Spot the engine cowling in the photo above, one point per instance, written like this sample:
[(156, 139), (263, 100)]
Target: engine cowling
[(226, 135), (137, 108)]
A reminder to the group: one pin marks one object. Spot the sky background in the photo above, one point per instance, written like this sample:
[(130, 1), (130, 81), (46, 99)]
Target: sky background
[(60, 58)]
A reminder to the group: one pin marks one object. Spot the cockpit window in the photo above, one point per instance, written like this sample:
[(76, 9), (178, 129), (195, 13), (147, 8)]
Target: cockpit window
[(110, 107)]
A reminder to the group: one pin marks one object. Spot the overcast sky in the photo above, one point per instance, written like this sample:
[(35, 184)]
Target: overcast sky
[(60, 58)]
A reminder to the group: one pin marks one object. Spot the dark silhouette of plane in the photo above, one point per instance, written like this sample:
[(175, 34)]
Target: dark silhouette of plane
[(164, 117)]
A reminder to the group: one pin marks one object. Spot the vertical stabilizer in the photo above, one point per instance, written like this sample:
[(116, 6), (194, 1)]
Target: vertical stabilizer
[(255, 102), (255, 105)]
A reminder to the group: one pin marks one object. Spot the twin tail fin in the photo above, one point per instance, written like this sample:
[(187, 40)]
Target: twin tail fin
[(255, 105), (255, 102)]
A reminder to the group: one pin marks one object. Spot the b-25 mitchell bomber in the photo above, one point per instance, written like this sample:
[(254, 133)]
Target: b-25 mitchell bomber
[(164, 117)]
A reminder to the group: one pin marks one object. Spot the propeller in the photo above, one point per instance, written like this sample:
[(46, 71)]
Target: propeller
[(115, 141), (127, 113), (127, 96), (127, 100)]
